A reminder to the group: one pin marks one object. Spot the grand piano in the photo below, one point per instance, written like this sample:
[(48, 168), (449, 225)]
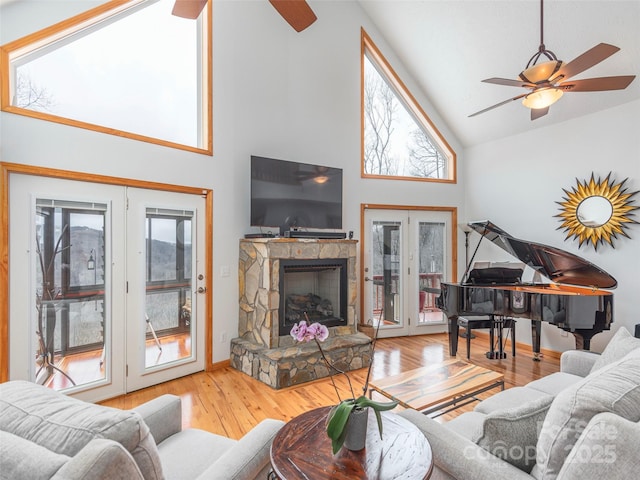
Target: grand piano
[(573, 300)]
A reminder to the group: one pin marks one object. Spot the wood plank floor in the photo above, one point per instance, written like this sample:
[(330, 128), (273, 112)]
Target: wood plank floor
[(230, 403)]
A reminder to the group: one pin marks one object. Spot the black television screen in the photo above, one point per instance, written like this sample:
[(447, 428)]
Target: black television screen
[(295, 195)]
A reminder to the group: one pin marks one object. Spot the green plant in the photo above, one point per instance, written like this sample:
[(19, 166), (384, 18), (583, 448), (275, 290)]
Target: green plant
[(338, 417)]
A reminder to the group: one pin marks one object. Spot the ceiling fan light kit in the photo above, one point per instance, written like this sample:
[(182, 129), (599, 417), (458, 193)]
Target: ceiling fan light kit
[(542, 98), (541, 72), (547, 81)]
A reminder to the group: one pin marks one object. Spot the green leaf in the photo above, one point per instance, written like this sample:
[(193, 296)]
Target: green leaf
[(364, 402), (379, 419), (337, 421)]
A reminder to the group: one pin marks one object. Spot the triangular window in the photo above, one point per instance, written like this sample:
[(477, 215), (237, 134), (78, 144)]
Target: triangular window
[(129, 68), (399, 140)]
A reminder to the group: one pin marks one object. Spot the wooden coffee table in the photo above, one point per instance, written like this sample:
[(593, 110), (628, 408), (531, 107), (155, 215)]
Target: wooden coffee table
[(301, 450), (436, 387)]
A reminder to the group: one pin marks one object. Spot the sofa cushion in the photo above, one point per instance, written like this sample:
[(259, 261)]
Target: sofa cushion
[(554, 383), (614, 388), (65, 425), (512, 434), (509, 398), (19, 456), (467, 424), (200, 446), (620, 345)]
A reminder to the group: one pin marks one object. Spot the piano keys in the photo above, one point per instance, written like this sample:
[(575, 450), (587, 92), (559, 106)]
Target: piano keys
[(574, 300)]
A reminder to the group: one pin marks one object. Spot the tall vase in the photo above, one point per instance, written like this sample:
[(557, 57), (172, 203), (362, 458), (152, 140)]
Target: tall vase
[(356, 436)]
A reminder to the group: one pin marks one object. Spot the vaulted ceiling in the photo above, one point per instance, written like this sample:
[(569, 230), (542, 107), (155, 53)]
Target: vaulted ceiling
[(450, 46)]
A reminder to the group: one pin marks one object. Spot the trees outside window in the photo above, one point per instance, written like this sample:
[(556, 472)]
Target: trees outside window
[(399, 140)]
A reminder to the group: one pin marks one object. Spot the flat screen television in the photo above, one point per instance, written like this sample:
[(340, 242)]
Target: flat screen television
[(295, 195)]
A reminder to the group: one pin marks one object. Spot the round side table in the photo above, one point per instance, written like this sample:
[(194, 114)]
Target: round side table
[(302, 450)]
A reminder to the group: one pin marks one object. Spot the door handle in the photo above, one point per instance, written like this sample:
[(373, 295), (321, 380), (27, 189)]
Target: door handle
[(202, 289), (367, 279)]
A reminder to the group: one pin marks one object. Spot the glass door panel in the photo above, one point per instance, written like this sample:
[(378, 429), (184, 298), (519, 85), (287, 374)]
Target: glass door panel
[(384, 279), (432, 265), (168, 302), (69, 293)]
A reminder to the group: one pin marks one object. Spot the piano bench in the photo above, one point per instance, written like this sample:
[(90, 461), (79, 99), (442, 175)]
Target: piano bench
[(492, 324)]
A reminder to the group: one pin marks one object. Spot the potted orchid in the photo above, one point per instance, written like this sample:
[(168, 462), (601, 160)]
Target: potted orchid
[(342, 416)]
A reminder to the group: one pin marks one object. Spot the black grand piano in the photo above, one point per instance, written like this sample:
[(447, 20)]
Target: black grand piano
[(574, 300)]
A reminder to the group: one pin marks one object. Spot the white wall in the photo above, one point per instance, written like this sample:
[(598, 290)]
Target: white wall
[(277, 93), (517, 181)]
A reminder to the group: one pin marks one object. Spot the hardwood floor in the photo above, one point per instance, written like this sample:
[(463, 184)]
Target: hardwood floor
[(230, 403)]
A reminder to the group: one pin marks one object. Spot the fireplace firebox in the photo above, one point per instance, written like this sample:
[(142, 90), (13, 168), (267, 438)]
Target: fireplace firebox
[(315, 287)]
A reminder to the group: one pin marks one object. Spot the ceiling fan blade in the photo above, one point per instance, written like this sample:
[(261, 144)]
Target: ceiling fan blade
[(597, 84), (297, 13), (499, 104), (509, 83), (188, 8), (587, 60), (539, 112)]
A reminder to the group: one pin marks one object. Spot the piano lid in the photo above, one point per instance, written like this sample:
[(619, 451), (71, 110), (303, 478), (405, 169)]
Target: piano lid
[(557, 265)]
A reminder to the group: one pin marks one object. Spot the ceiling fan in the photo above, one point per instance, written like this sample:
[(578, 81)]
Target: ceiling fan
[(297, 13), (548, 80)]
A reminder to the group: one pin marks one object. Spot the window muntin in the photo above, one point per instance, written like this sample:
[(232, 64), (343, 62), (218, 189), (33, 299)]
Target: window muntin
[(127, 68), (399, 140)]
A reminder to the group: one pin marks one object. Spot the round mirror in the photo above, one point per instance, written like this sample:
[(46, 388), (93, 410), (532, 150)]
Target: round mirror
[(594, 211)]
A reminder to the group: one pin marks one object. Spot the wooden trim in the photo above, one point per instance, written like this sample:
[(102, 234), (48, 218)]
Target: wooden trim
[(208, 261), (398, 177), (374, 206), (70, 26), (4, 274), (413, 105), (212, 367), (6, 169)]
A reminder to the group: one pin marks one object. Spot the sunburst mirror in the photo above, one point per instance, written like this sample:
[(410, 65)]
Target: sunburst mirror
[(597, 211)]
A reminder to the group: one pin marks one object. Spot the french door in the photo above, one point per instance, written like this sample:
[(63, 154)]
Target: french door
[(406, 255), (104, 283)]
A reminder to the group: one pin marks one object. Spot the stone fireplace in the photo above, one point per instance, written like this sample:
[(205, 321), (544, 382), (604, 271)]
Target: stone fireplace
[(281, 279)]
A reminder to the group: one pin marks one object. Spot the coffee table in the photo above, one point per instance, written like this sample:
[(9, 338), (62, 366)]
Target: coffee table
[(302, 450), (436, 387)]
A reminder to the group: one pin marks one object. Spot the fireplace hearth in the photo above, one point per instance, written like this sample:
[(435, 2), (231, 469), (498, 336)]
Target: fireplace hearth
[(281, 279)]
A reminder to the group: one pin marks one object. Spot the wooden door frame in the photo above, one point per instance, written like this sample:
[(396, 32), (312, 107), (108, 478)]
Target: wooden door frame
[(6, 169), (374, 206)]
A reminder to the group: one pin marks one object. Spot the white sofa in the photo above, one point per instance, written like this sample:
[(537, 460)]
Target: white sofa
[(47, 435), (580, 423)]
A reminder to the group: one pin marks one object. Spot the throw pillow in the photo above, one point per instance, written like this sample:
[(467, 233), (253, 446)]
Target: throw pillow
[(620, 344), (511, 434), (614, 388)]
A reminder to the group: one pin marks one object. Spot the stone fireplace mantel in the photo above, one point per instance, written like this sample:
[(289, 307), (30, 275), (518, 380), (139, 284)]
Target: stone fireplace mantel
[(260, 350)]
